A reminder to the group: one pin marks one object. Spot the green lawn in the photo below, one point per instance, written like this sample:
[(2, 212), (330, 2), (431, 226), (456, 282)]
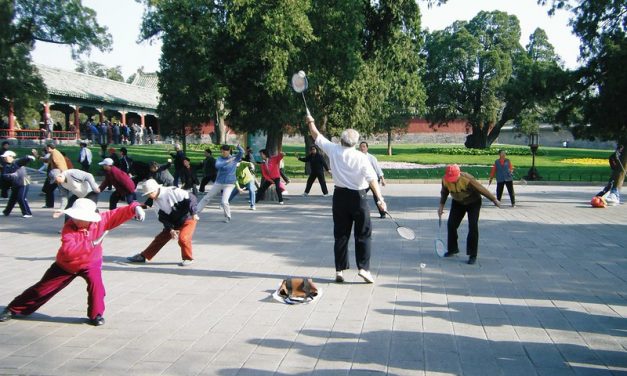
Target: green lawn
[(549, 161)]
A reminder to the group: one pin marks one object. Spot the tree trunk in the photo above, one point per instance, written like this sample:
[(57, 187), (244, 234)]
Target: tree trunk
[(623, 160), (273, 141), (389, 141), (220, 126), (478, 139)]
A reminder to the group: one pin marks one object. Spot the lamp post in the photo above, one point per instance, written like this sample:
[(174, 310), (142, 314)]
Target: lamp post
[(533, 145)]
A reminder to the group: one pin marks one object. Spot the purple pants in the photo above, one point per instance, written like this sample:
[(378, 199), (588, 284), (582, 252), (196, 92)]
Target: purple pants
[(56, 279)]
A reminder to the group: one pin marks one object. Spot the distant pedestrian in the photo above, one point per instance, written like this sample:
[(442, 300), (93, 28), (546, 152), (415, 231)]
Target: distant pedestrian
[(363, 147), (80, 255), (209, 171), (245, 181), (317, 167), (466, 192), (503, 170), (225, 181), (352, 174), (616, 167), (15, 174), (124, 186), (176, 209), (270, 170), (85, 157), (178, 156)]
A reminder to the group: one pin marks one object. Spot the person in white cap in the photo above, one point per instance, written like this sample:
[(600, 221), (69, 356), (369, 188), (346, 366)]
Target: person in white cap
[(80, 255), (124, 185), (176, 209), (73, 184), (15, 173)]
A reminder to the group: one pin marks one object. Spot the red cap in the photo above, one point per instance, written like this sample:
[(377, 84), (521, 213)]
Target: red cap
[(452, 173)]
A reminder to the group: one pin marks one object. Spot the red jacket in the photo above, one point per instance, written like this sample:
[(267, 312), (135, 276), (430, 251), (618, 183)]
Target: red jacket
[(120, 180), (77, 252), (270, 167)]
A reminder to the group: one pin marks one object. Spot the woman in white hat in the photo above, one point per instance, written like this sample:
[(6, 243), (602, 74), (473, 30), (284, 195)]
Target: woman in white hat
[(80, 254)]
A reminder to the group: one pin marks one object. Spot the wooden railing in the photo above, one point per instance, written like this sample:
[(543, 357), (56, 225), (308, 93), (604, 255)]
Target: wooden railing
[(37, 134)]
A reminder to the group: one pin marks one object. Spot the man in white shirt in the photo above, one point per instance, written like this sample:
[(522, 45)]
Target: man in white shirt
[(363, 147), (85, 157), (73, 184), (352, 175)]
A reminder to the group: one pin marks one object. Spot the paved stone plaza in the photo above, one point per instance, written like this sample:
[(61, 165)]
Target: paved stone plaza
[(548, 295)]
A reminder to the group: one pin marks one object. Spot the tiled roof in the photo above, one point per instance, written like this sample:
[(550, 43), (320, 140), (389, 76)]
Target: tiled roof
[(79, 85), (148, 80)]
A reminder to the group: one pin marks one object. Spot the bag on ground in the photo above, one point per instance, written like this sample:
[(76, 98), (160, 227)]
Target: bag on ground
[(295, 290)]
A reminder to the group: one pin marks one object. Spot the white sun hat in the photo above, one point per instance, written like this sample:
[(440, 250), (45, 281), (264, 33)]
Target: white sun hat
[(150, 186), (83, 209), (8, 153)]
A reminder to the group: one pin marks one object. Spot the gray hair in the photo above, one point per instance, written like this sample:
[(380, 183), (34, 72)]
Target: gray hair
[(349, 137)]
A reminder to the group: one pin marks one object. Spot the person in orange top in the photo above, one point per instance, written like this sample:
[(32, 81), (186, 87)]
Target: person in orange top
[(503, 169), (55, 160)]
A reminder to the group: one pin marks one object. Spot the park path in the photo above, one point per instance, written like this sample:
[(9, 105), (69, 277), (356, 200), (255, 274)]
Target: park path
[(548, 295)]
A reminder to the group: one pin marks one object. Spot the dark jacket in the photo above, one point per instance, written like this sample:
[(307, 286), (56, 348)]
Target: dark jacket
[(15, 173), (316, 162), (181, 212)]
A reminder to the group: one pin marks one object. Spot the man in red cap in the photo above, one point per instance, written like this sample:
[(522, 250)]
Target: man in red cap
[(466, 192)]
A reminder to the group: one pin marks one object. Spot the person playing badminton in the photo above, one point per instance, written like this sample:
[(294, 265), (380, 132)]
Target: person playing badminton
[(352, 175), (502, 169), (80, 255), (466, 192)]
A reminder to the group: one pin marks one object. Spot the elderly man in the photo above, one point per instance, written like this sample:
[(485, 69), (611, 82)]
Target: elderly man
[(124, 186), (352, 175), (176, 209), (74, 184)]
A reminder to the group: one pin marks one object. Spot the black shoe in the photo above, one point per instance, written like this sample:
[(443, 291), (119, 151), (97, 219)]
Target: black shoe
[(472, 260), (382, 216), (6, 315), (97, 321), (451, 253)]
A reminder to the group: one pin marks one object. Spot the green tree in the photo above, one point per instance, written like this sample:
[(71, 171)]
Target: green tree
[(468, 65), (99, 70), (596, 102), (478, 71), (393, 48), (24, 22)]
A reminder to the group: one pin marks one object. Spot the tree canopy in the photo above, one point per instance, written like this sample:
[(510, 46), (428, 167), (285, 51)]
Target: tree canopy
[(22, 23), (478, 71)]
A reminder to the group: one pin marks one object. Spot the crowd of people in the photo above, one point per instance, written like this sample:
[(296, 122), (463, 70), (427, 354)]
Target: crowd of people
[(175, 198), (116, 133)]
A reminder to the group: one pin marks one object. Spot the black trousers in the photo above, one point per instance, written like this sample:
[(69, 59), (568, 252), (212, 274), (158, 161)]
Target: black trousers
[(510, 191), (48, 189), (265, 184), (205, 180), (458, 211), (116, 197), (323, 183), (350, 206), (5, 186)]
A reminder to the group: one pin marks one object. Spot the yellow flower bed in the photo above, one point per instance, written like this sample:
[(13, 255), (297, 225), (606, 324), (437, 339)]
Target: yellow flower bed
[(585, 161)]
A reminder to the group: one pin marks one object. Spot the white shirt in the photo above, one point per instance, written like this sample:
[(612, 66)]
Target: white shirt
[(350, 167), (85, 155), (168, 196), (375, 164)]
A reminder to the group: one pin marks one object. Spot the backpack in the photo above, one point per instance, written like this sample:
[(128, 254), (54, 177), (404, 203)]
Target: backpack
[(295, 290)]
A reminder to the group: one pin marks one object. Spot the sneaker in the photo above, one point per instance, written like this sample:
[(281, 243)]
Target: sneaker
[(186, 262), (326, 195), (451, 253), (27, 216), (339, 277), (382, 215), (305, 194), (47, 207), (472, 260), (365, 274), (137, 258), (227, 220), (253, 208), (6, 315), (280, 202), (97, 321)]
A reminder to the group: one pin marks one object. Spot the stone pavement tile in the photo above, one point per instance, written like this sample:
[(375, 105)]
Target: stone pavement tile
[(548, 371), (15, 362), (406, 351), (122, 361), (168, 351), (213, 370), (189, 363), (77, 366), (149, 368), (337, 349), (326, 367), (406, 368), (545, 355)]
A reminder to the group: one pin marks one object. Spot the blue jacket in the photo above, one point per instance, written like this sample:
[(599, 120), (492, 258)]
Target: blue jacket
[(226, 167)]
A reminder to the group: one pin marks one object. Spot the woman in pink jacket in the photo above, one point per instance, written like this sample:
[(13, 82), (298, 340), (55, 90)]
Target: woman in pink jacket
[(270, 170), (80, 255)]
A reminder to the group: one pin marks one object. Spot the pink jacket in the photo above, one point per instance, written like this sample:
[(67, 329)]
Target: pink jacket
[(77, 252), (270, 168)]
